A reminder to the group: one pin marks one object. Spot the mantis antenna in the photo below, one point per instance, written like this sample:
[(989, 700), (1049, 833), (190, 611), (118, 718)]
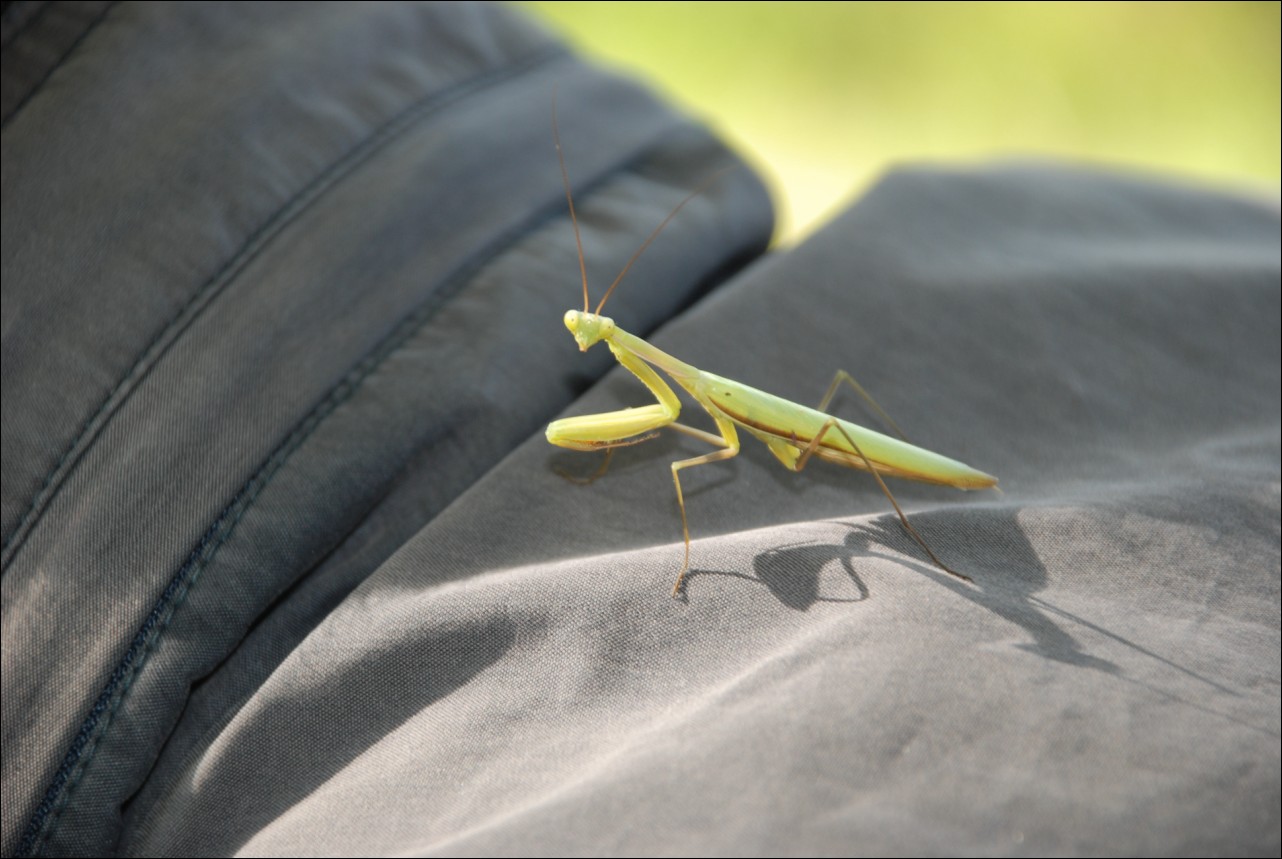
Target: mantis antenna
[(696, 192), (578, 239), (569, 198)]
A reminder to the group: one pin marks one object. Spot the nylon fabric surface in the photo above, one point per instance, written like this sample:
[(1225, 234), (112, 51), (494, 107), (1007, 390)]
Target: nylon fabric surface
[(292, 570)]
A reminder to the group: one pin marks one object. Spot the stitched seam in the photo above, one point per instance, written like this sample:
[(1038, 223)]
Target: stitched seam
[(32, 19), (66, 55), (44, 822), (257, 241)]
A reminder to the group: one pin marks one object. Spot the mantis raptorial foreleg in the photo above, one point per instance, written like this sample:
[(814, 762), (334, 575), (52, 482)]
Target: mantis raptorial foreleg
[(625, 427), (809, 451), (730, 440), (701, 435)]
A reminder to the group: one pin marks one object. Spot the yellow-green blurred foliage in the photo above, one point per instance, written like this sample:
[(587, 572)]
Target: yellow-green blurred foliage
[(821, 97)]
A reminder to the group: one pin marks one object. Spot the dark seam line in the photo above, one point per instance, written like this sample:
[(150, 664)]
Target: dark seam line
[(26, 25), (171, 599), (256, 242), (93, 25)]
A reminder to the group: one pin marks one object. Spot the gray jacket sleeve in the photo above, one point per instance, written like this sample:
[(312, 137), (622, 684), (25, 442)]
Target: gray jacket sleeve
[(288, 567)]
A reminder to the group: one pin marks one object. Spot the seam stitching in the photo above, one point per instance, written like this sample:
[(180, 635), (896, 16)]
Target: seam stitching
[(254, 244), (34, 16), (66, 55), (44, 822)]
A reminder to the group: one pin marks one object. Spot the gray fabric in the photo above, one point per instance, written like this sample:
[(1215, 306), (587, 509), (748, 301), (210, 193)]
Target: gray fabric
[(365, 629), (309, 260)]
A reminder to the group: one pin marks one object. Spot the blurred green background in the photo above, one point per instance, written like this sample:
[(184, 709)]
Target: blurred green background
[(822, 97)]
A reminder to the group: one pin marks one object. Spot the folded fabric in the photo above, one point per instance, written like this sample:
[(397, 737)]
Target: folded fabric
[(289, 568)]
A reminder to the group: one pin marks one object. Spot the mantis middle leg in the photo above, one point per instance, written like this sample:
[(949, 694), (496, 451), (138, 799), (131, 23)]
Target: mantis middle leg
[(730, 439)]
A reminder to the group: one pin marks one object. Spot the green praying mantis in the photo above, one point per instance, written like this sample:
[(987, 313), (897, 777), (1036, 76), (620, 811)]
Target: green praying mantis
[(793, 433)]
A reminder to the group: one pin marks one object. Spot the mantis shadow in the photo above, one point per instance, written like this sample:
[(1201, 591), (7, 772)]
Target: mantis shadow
[(792, 574), (1010, 596)]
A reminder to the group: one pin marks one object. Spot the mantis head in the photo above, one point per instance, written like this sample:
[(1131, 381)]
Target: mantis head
[(588, 328)]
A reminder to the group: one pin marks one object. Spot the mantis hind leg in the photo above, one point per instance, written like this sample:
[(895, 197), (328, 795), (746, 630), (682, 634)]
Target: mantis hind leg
[(730, 439), (843, 376), (814, 445)]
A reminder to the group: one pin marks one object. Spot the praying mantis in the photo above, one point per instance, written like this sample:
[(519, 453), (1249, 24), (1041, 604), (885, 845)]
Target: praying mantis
[(793, 433)]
